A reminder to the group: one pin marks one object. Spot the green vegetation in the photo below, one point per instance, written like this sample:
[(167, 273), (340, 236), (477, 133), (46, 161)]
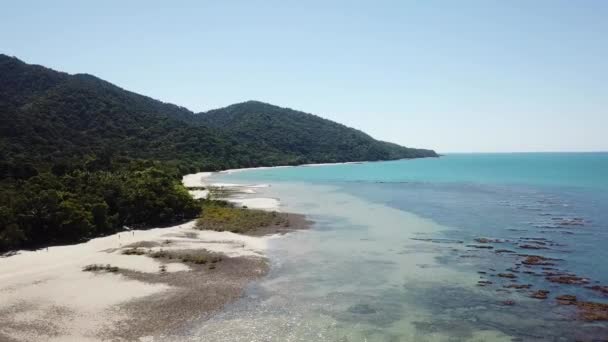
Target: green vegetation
[(237, 220), (100, 268), (133, 251), (199, 257), (81, 157), (296, 137), (50, 209)]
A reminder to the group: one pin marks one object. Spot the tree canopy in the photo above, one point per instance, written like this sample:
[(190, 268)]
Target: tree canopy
[(81, 157)]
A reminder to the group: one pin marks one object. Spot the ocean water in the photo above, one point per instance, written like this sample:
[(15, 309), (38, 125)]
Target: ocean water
[(393, 255)]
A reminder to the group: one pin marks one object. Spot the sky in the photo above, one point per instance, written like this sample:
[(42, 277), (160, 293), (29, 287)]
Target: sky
[(454, 76)]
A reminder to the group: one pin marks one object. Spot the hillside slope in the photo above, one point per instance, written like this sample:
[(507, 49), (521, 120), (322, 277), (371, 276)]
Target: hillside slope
[(306, 137), (81, 157), (48, 116)]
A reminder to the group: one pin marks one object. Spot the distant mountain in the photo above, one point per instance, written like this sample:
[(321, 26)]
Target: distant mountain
[(306, 137), (48, 116)]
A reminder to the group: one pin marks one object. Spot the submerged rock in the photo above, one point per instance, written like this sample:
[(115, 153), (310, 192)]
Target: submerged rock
[(540, 294), (518, 286), (566, 299), (362, 309), (481, 246), (507, 275), (600, 289), (537, 260), (504, 251), (568, 279), (591, 311), (527, 246), (486, 240)]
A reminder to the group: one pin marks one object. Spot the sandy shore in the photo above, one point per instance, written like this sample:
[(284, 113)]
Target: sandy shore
[(240, 195), (46, 296)]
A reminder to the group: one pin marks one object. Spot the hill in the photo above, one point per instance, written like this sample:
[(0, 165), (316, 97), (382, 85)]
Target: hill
[(81, 157), (306, 138)]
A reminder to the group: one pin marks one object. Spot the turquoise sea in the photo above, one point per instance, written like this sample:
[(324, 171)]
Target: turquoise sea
[(430, 250)]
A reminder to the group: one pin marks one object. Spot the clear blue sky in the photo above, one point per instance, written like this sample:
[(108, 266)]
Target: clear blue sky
[(450, 75)]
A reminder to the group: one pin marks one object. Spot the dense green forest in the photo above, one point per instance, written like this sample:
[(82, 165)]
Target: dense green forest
[(81, 157), (302, 137)]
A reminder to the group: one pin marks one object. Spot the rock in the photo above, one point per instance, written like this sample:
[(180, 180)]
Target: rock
[(537, 260), (568, 279), (540, 294), (566, 299), (507, 275), (362, 309), (486, 240), (600, 289), (504, 251), (532, 247), (575, 221), (481, 246), (484, 283), (518, 286), (591, 311), (535, 240), (508, 302)]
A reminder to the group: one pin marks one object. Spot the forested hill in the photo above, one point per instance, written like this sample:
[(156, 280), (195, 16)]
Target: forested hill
[(49, 116), (306, 137), (81, 157)]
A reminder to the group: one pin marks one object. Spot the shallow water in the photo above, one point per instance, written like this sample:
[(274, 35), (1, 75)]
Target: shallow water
[(387, 258)]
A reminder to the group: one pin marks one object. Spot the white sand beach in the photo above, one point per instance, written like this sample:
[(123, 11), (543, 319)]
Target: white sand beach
[(242, 195), (45, 295)]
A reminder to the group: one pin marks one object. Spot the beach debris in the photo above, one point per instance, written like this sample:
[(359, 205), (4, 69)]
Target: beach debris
[(508, 302)]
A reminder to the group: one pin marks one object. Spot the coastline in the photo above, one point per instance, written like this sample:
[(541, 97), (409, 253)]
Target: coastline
[(134, 294), (241, 192)]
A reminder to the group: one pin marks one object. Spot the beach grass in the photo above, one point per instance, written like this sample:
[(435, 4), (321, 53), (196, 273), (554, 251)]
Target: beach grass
[(195, 257), (100, 268), (222, 217)]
